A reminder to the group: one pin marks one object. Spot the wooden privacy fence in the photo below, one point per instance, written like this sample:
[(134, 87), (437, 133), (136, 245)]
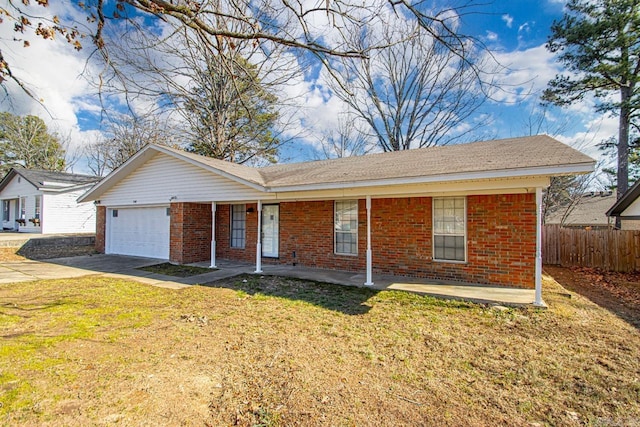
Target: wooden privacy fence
[(613, 250)]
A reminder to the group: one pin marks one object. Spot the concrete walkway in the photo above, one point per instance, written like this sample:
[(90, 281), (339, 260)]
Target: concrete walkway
[(126, 267)]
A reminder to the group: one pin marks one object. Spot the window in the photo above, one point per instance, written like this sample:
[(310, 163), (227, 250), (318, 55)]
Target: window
[(346, 227), (449, 228), (114, 213), (238, 225), (5, 210), (23, 208), (37, 209)]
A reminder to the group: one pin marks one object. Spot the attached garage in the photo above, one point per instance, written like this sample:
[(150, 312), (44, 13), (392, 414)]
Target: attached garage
[(138, 231)]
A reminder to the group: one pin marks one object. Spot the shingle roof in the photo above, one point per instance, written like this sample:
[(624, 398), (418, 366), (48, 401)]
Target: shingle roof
[(39, 177), (589, 211), (498, 155)]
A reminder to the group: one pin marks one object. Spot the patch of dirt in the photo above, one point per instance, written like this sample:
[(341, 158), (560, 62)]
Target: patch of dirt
[(176, 270), (617, 292)]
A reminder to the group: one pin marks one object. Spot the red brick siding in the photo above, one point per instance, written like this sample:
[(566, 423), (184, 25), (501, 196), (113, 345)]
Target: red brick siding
[(501, 232), (223, 234), (101, 227), (190, 232)]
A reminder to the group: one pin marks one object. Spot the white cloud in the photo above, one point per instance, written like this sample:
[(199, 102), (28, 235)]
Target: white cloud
[(491, 36), (508, 19)]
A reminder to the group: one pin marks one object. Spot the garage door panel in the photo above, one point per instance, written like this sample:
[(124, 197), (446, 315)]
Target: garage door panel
[(139, 232)]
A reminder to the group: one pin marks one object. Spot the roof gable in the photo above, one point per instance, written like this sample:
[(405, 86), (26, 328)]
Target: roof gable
[(625, 201)]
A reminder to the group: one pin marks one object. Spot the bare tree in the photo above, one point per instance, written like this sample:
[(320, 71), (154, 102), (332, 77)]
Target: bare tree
[(122, 140), (415, 92), (315, 27), (346, 139)]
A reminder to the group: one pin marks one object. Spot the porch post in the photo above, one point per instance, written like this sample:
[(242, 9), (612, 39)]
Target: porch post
[(259, 244), (369, 281), (538, 295), (213, 235)]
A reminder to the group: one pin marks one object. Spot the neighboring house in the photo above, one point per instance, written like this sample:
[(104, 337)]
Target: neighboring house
[(628, 208), (589, 212), (462, 212), (36, 201)]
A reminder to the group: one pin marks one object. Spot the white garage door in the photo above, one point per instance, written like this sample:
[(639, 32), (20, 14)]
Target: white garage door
[(138, 231)]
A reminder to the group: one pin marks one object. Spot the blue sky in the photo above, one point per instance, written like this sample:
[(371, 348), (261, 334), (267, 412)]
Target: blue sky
[(515, 31)]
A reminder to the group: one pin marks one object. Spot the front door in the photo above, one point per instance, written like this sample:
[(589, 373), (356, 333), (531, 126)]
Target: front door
[(270, 230)]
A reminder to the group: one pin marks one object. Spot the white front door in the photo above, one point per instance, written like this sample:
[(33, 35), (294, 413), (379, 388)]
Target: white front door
[(270, 230)]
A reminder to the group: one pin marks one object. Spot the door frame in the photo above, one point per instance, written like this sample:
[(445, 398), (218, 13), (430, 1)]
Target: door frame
[(277, 254)]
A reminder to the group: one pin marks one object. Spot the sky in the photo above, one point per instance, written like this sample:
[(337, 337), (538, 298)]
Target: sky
[(515, 31)]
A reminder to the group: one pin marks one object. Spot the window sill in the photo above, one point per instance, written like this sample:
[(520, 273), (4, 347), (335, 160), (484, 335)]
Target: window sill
[(449, 261), (349, 255)]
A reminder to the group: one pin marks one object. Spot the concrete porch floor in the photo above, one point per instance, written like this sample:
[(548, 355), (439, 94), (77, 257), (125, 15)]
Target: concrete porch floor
[(463, 291), (127, 267)]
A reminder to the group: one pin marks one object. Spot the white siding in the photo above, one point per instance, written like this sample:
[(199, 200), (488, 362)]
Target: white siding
[(163, 177), (20, 187), (62, 214), (633, 209)]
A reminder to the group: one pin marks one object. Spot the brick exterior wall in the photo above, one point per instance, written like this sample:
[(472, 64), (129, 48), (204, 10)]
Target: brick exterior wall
[(501, 238), (190, 233), (101, 228)]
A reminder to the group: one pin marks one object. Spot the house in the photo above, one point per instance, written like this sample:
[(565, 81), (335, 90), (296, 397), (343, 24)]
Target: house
[(588, 212), (466, 212), (37, 201), (628, 208)]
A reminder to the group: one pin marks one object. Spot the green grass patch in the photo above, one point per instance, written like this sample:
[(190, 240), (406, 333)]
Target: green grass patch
[(176, 270)]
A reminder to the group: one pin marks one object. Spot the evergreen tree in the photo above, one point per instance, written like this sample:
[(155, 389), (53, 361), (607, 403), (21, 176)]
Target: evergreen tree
[(25, 141), (599, 44), (230, 114)]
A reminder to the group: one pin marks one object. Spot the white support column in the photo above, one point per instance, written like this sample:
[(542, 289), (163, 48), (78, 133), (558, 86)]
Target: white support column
[(369, 281), (538, 295), (213, 235), (259, 244)]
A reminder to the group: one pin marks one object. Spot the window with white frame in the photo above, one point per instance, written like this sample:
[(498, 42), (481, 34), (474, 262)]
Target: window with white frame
[(5, 210), (23, 208), (449, 228), (346, 227), (38, 207), (238, 225)]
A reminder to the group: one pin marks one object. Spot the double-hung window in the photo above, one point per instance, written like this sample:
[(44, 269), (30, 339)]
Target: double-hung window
[(238, 225), (449, 229), (38, 207), (5, 210), (346, 227), (23, 208)]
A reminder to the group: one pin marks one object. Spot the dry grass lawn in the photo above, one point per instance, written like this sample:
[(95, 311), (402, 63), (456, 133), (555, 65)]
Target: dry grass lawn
[(272, 351)]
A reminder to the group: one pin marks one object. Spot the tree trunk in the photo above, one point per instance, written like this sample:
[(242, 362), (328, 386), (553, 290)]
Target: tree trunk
[(623, 145)]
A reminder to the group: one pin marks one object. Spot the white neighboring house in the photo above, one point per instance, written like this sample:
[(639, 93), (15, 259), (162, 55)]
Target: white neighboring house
[(45, 202)]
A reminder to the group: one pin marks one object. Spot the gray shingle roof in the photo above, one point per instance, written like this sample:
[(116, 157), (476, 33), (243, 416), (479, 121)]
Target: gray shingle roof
[(39, 177), (499, 155)]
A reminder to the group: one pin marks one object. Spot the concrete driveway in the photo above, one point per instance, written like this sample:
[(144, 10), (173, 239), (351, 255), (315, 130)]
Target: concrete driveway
[(117, 266)]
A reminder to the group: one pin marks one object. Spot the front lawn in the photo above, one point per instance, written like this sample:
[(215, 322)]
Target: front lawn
[(270, 351)]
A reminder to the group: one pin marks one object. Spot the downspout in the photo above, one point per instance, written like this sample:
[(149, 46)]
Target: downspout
[(538, 292), (213, 235), (259, 240), (369, 281)]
